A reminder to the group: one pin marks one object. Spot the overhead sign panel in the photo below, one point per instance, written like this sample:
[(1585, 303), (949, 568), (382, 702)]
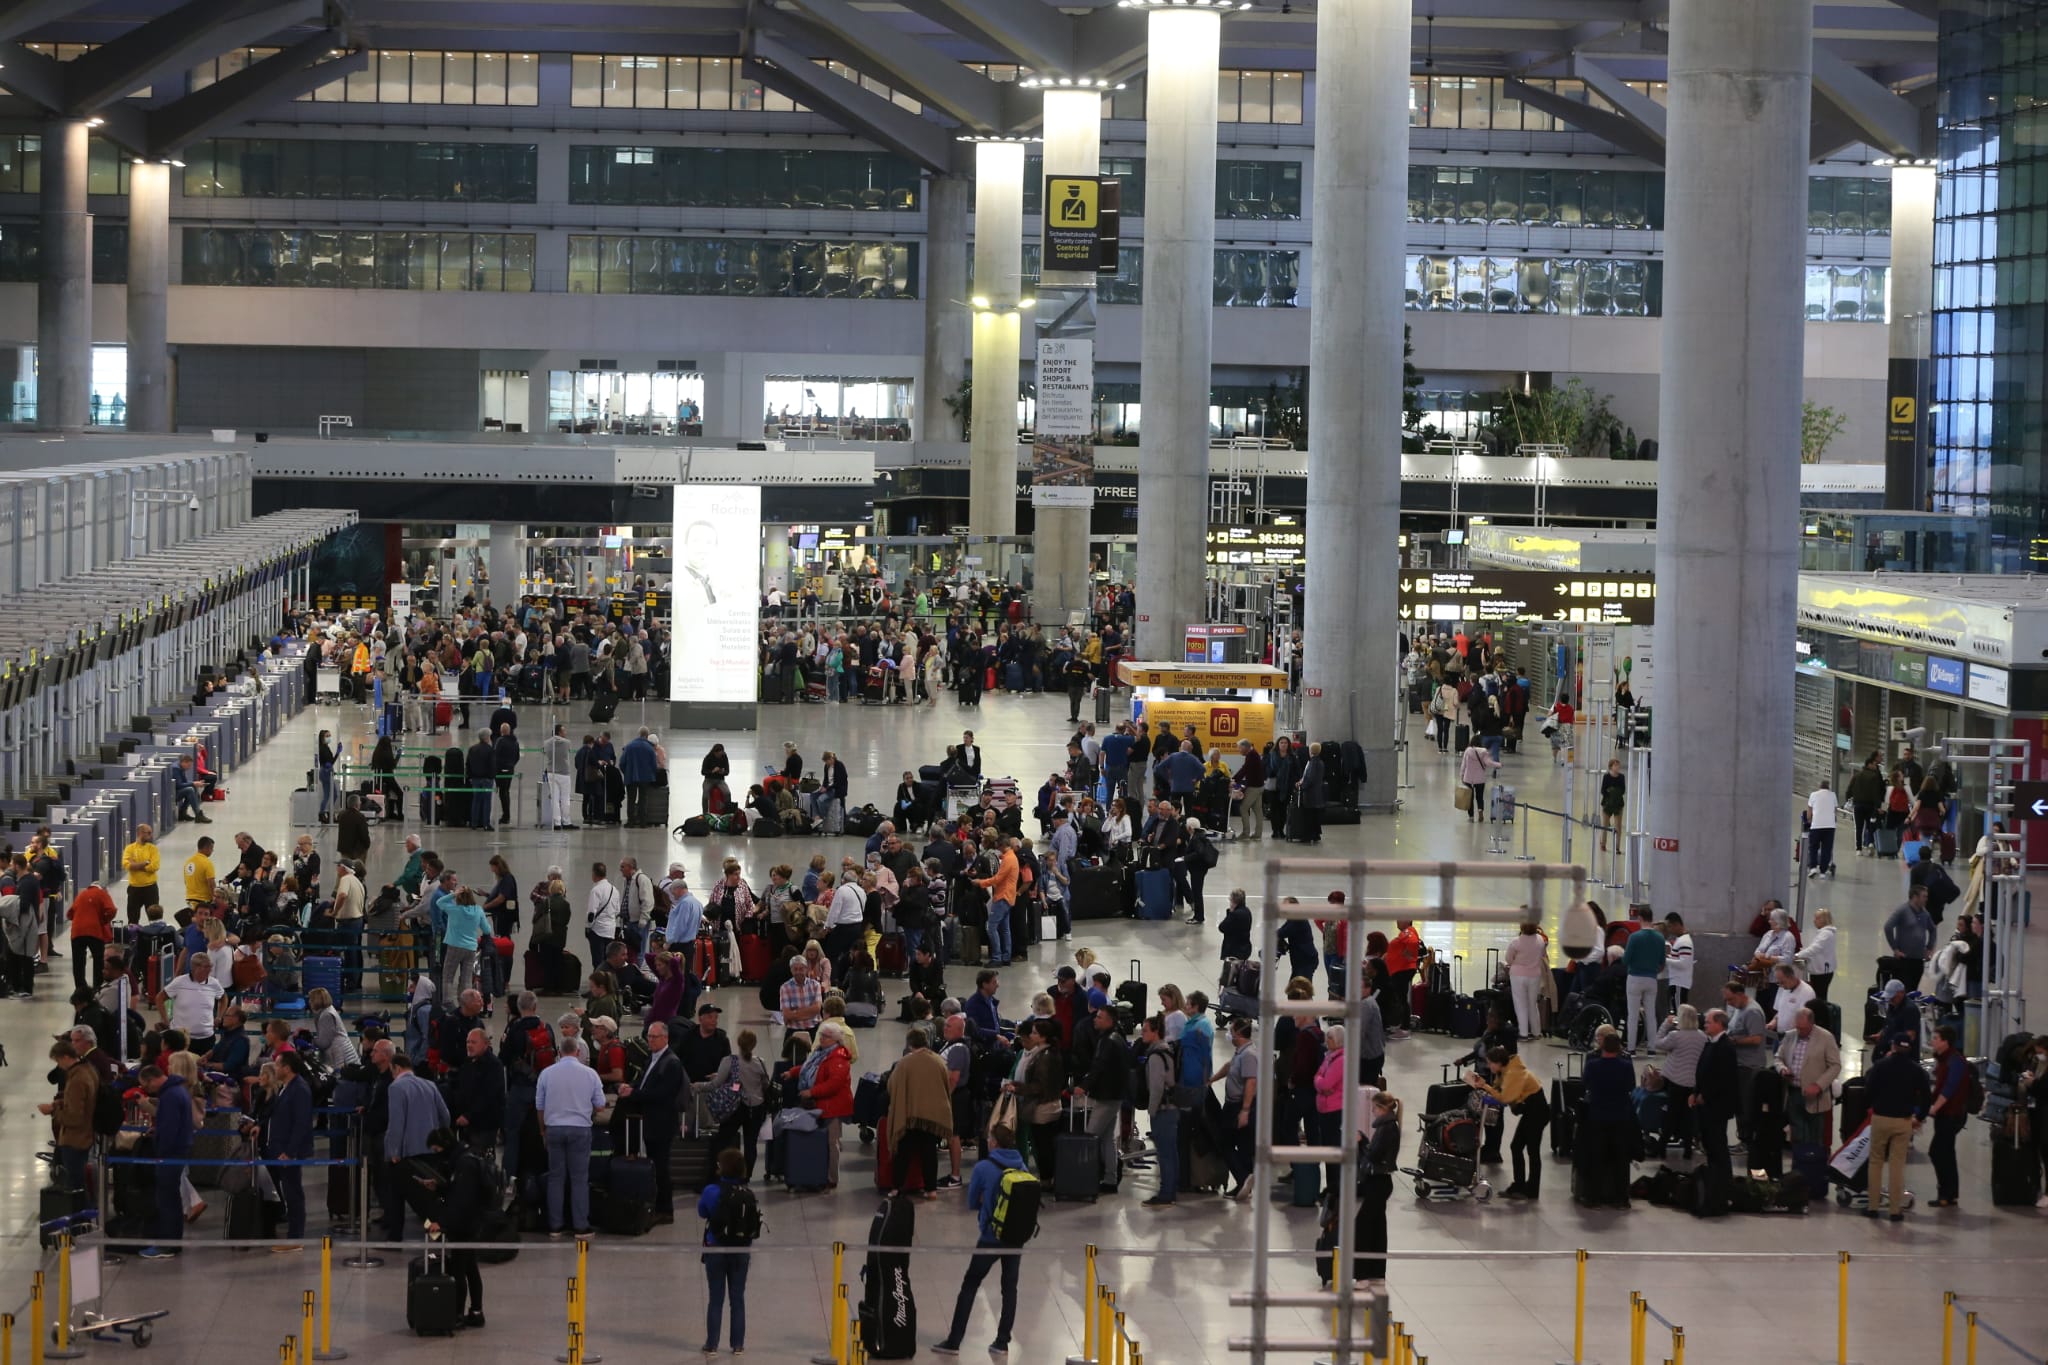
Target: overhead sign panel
[(1073, 223), (1491, 596)]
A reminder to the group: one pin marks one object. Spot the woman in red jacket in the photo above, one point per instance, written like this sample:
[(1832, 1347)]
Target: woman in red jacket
[(92, 925), (830, 1092)]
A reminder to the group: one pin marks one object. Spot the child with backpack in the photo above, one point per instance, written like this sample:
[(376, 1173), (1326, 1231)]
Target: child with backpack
[(732, 1218), (1005, 1198)]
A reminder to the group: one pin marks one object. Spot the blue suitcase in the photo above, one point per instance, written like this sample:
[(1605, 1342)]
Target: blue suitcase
[(1013, 677), (806, 1159), (1308, 1185), (1155, 894)]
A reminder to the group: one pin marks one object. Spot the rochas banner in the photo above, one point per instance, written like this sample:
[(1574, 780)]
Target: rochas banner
[(716, 590), (1063, 449)]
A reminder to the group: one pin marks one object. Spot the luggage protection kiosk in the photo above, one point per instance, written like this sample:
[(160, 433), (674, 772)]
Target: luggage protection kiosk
[(1224, 702)]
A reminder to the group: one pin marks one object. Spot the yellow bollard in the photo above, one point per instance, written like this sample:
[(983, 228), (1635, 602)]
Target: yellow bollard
[(1087, 1308), (63, 1328), (1111, 1348), (839, 1321), (325, 1350), (287, 1351), (6, 1339), (1842, 1310), (1579, 1313), (35, 1320), (835, 1338), (1970, 1338), (1948, 1327), (1636, 1325), (306, 1328), (1394, 1333), (1122, 1342), (1678, 1346)]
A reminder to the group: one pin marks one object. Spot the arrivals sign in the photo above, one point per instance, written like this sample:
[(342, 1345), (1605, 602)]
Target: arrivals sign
[(1063, 448), (1500, 596), (1073, 223)]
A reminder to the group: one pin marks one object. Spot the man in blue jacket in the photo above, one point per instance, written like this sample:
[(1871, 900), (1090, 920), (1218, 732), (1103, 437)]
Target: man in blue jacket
[(983, 1189), (983, 1014), (1116, 759), (287, 1133), (173, 1137), (638, 768)]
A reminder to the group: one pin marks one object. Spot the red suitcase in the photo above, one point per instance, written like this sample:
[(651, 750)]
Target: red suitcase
[(891, 957), (504, 947), (444, 714), (1418, 996), (704, 961), (755, 957), (536, 972)]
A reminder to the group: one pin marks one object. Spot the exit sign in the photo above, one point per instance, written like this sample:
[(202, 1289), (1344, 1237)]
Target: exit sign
[(1667, 845)]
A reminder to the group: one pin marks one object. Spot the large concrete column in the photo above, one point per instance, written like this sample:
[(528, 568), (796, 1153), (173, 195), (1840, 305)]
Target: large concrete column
[(1728, 483), (64, 294), (1359, 221), (1182, 46), (1066, 309), (149, 278), (505, 560), (1910, 371), (945, 322), (998, 289)]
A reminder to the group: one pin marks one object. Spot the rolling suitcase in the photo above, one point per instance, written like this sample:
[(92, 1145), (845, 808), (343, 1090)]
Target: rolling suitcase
[(755, 957), (603, 707), (305, 807), (870, 1101), (1013, 677), (1447, 1095), (2015, 1172), (55, 1204), (1567, 1093), (1077, 1161), (805, 1159), (1461, 738), (1101, 891), (972, 944), (433, 1301), (1155, 894), (628, 1208), (1828, 1015), (569, 975), (1306, 1185)]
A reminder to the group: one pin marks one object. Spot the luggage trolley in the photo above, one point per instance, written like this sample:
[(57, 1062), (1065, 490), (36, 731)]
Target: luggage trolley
[(84, 1282), (1449, 1158)]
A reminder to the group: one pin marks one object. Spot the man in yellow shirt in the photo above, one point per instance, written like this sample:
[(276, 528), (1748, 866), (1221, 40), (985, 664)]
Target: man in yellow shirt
[(141, 860), (199, 876)]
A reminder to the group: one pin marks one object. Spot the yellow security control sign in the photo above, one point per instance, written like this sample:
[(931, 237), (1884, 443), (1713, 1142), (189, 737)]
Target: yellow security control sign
[(1073, 223)]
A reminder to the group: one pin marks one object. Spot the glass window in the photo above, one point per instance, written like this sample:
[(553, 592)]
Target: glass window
[(1226, 96), (1445, 95), (650, 88), (394, 77), (522, 79), (1476, 111), (583, 265), (490, 77), (1288, 87), (458, 77), (682, 82), (1255, 97), (775, 102), (360, 86), (715, 83), (426, 78), (455, 261)]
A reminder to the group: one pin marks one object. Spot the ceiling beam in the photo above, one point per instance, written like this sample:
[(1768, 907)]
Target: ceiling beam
[(1623, 132), (1035, 34), (26, 16), (1110, 44), (1887, 122), (906, 63), (775, 63), (1633, 104), (169, 44), (283, 76)]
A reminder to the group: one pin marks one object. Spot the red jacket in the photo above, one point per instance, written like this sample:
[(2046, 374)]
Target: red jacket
[(832, 1089), (92, 914)]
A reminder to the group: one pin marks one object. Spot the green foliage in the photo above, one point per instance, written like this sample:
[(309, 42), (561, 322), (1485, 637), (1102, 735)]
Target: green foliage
[(1819, 425), (960, 402), (1571, 415)]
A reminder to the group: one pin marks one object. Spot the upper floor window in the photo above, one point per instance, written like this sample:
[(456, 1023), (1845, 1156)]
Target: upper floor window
[(401, 77), (1259, 96), (67, 52)]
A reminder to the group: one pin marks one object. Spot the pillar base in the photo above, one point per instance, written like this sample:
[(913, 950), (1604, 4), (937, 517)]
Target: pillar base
[(714, 715)]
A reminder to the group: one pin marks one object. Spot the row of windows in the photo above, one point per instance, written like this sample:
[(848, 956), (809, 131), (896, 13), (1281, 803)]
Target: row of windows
[(494, 262), (1547, 284), (307, 168), (21, 246), (1244, 189), (1126, 102), (69, 52), (762, 268), (715, 83), (21, 165), (1259, 96), (1477, 103), (741, 177), (466, 78), (1612, 199)]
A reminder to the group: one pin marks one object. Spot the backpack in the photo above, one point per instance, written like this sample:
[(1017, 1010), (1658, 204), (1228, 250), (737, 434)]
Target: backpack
[(1015, 1221), (106, 1110), (540, 1045), (1973, 1089), (736, 1219), (663, 903)]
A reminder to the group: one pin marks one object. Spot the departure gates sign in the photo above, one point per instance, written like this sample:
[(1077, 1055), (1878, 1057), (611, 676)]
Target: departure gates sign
[(1500, 596)]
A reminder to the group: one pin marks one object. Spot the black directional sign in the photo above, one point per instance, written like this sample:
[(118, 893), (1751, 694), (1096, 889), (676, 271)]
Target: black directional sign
[(2030, 800), (1503, 595)]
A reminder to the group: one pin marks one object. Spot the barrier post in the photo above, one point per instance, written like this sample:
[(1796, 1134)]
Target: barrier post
[(35, 1320), (1579, 1312), (306, 1327), (835, 1329), (1948, 1327), (1637, 1322), (584, 1355), (286, 1350), (327, 1350), (1678, 1346), (61, 1347), (1970, 1338), (1088, 1343), (1123, 1355), (839, 1310), (6, 1339), (1842, 1309), (569, 1351)]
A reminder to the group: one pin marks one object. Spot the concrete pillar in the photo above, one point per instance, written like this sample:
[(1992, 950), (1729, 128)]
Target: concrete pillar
[(775, 556), (1066, 309), (998, 289), (64, 294), (1182, 47), (1728, 483), (1909, 375), (945, 321), (149, 279), (505, 560), (1359, 222)]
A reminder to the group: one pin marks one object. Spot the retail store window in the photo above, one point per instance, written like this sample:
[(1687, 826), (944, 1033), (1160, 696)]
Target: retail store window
[(504, 400), (837, 407), (626, 402)]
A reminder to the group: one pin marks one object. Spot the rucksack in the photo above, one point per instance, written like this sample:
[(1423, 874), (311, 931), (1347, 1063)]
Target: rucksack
[(540, 1044), (106, 1109), (1973, 1089), (1015, 1221), (663, 903), (736, 1220)]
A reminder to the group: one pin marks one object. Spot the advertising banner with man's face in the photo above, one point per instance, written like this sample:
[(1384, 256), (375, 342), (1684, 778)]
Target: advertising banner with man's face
[(717, 593)]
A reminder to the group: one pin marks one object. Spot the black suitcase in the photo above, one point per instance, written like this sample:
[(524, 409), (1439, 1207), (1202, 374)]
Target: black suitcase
[(245, 1220), (690, 1163), (1828, 1015), (627, 1209), (569, 977), (888, 1304), (497, 1225), (1447, 1096), (1854, 1104), (1101, 891), (2015, 1172), (1567, 1095), (1132, 989), (654, 807), (1461, 738), (621, 1216), (56, 1204), (1077, 1162), (603, 707), (433, 1301)]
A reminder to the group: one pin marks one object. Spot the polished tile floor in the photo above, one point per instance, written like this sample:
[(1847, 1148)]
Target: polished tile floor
[(1491, 1283)]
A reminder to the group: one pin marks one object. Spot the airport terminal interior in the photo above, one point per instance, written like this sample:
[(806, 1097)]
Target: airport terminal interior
[(1606, 429)]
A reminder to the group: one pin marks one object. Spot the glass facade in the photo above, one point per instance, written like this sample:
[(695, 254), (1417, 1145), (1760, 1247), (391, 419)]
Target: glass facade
[(1536, 198), (492, 262), (604, 81), (837, 407), (1990, 334), (749, 268), (1258, 96), (1244, 188), (21, 165), (742, 177), (437, 78), (1598, 287), (21, 246), (627, 402), (307, 168), (1477, 103)]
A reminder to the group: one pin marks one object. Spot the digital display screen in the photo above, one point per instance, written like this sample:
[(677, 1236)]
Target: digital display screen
[(716, 591)]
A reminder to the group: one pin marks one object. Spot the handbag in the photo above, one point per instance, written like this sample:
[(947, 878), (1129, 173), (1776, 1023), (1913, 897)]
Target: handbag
[(1429, 728), (1004, 1114), (722, 1101)]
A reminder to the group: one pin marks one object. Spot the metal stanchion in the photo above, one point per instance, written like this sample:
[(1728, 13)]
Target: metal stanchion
[(363, 1260), (327, 1349), (569, 1352), (1579, 1310), (35, 1320), (6, 1339), (62, 1347), (1842, 1309), (835, 1334), (1088, 1343), (1970, 1338), (1948, 1327), (841, 1329), (306, 1328)]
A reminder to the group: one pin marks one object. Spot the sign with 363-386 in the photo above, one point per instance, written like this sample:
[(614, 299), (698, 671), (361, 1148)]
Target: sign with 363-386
[(1504, 595)]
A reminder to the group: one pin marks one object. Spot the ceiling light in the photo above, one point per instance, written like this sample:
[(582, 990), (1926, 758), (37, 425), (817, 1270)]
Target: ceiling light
[(980, 301)]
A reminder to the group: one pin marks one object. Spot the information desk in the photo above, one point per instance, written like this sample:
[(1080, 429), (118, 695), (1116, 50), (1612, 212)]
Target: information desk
[(1224, 702)]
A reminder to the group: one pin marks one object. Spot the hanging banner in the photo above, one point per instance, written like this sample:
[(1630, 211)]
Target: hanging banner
[(1063, 450)]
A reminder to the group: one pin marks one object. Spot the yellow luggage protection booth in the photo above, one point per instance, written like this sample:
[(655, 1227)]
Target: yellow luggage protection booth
[(1179, 694)]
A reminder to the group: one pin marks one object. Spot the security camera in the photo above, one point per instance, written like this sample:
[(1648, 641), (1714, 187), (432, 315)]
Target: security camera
[(192, 503), (1579, 934)]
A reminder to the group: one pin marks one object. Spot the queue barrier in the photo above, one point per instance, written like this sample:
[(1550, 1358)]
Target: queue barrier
[(1973, 1324)]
